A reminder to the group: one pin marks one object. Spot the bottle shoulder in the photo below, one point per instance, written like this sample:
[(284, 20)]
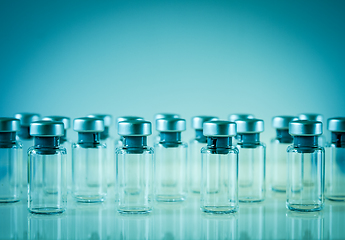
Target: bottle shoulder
[(89, 145), (171, 145), (145, 150), (47, 151), (232, 149)]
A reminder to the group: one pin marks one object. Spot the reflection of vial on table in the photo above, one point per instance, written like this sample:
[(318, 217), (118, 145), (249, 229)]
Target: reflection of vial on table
[(47, 186), (234, 118), (89, 182), (306, 167), (278, 151), (163, 115), (119, 141), (10, 161), (194, 149), (314, 117), (219, 168), (170, 161)]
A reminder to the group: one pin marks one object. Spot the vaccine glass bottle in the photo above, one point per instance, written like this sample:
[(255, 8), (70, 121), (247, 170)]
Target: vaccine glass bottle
[(305, 167), (10, 161), (239, 116), (89, 182), (134, 160), (219, 168), (47, 186)]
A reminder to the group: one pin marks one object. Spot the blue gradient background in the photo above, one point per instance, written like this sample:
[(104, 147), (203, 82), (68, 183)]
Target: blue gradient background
[(190, 57)]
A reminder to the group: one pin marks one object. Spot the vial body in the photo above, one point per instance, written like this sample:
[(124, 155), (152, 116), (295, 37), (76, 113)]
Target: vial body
[(110, 161), (219, 180), (134, 178), (171, 171), (195, 165), (26, 144), (67, 144), (278, 165), (47, 185)]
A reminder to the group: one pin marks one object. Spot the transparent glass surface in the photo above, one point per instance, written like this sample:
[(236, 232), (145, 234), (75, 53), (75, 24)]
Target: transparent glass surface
[(252, 173), (134, 179), (335, 173), (10, 172), (219, 181), (171, 172), (26, 144), (305, 182), (68, 146), (110, 162), (278, 165), (253, 225), (47, 185), (301, 225), (194, 163), (89, 182)]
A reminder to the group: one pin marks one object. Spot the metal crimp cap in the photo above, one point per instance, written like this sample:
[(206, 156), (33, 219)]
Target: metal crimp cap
[(47, 129), (127, 118), (250, 126), (107, 118), (305, 128), (311, 117), (9, 124), (166, 115), (198, 121), (65, 120), (219, 128), (282, 122), (134, 128), (170, 125), (86, 124), (235, 117), (27, 118), (336, 124)]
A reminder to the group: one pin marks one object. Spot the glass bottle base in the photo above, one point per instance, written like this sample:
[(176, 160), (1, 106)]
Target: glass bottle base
[(219, 209), (250, 200), (135, 210), (304, 207), (89, 198), (278, 189), (47, 210), (9, 200), (337, 198), (170, 198)]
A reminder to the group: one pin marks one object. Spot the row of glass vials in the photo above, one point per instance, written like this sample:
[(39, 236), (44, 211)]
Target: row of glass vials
[(227, 162)]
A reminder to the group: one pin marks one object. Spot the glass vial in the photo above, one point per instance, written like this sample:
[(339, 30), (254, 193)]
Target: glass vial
[(47, 185), (89, 182), (119, 141), (305, 167), (170, 161), (335, 161), (219, 168), (134, 175), (234, 118), (10, 161), (252, 161), (279, 144), (314, 117), (195, 151), (161, 116)]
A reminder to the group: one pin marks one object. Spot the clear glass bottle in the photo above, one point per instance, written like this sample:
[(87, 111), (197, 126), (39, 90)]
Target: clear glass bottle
[(10, 161), (305, 167), (314, 117), (170, 161), (252, 161), (160, 116), (335, 160), (134, 162), (195, 151), (89, 182), (219, 168), (47, 185), (234, 118), (279, 144)]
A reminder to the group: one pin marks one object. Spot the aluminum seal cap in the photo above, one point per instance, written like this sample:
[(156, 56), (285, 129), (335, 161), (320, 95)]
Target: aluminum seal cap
[(235, 117), (134, 128), (107, 119), (170, 125), (311, 117), (305, 128), (250, 126), (86, 124), (47, 129), (198, 121), (127, 118), (65, 120), (9, 124), (336, 124), (219, 128), (282, 122), (166, 115), (27, 118)]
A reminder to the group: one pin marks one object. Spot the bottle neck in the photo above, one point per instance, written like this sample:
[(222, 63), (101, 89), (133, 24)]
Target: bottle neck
[(105, 133), (134, 141), (338, 138), (219, 145), (199, 136), (283, 136), (7, 137), (305, 144), (249, 140), (170, 137), (47, 142), (24, 133), (88, 137)]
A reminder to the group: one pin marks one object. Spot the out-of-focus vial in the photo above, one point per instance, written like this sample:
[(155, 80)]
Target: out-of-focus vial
[(279, 144), (314, 117), (219, 168), (10, 161), (305, 167), (252, 161), (170, 161), (47, 185), (119, 141), (67, 144), (89, 182), (335, 160), (195, 146), (164, 115), (134, 167), (239, 116)]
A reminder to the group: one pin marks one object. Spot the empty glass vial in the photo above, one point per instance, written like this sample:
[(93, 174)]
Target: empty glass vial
[(305, 167), (335, 160), (10, 161), (195, 146), (170, 161), (252, 161), (47, 185), (314, 117), (89, 182), (134, 175), (219, 168), (164, 115), (234, 118), (279, 144), (119, 141)]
